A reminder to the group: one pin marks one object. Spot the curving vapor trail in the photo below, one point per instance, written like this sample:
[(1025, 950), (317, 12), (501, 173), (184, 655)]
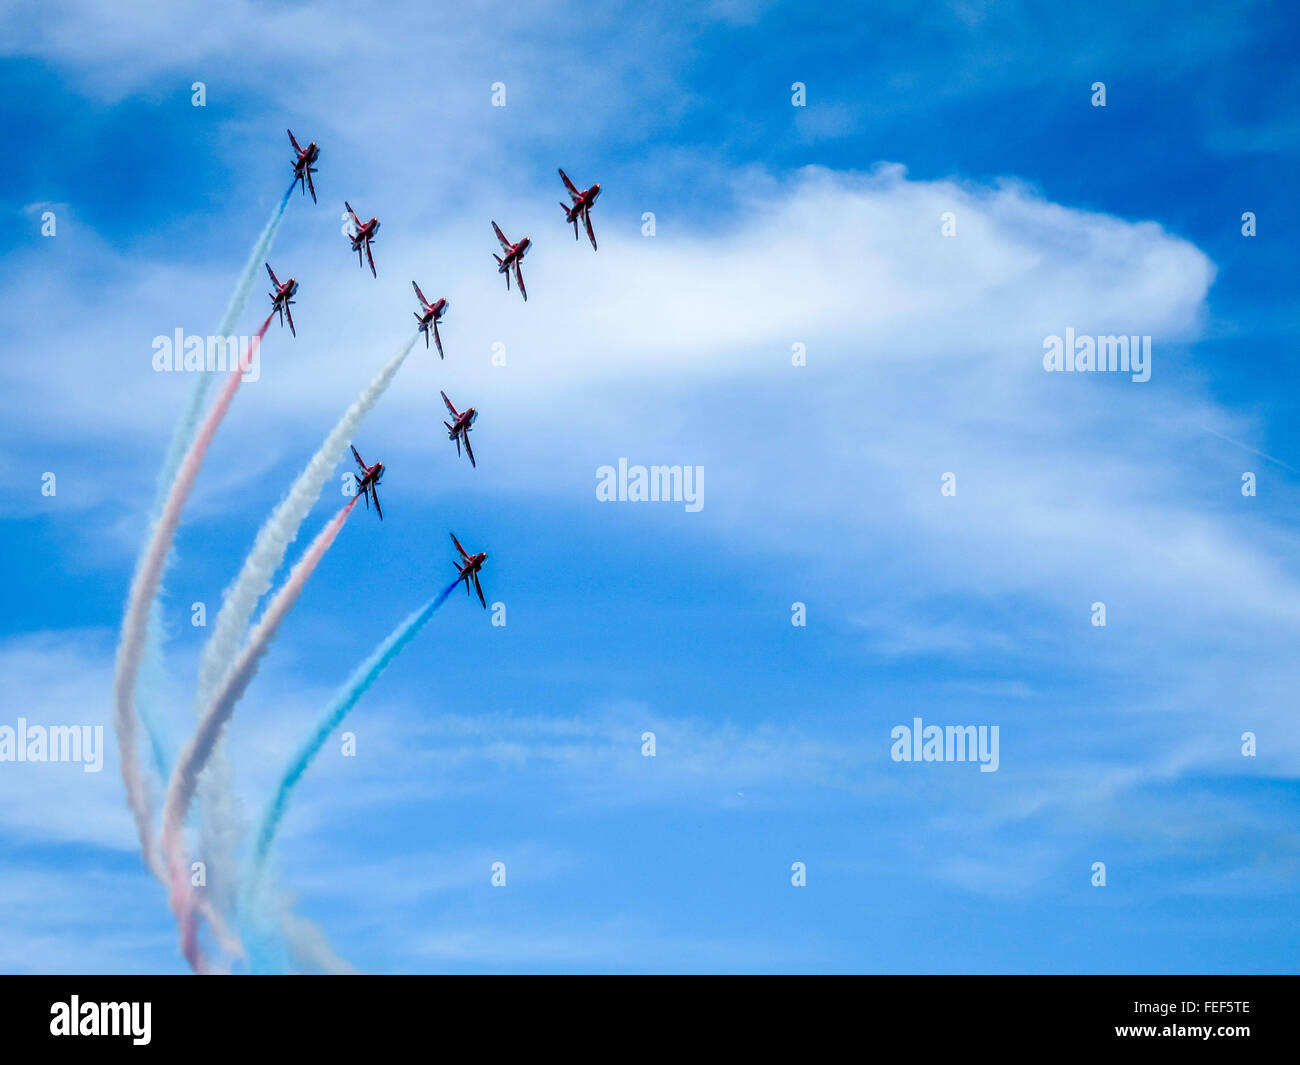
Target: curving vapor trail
[(183, 433), (221, 816), (187, 424), (194, 757), (144, 590), (258, 915)]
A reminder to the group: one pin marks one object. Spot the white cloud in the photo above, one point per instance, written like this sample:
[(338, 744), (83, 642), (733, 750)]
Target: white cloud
[(62, 678), (923, 357)]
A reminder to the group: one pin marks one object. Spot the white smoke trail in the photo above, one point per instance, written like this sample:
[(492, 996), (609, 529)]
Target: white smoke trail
[(188, 423), (221, 821), (293, 944), (148, 695), (309, 947), (144, 591), (196, 753)]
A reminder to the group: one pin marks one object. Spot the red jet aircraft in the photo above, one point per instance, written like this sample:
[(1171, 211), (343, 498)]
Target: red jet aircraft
[(459, 426), (430, 314), (282, 298), (366, 483), (514, 256), (468, 568), (302, 166), (363, 236), (582, 204)]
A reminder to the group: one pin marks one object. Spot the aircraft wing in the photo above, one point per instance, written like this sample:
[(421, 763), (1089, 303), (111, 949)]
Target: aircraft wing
[(501, 237), (355, 220), (519, 276), (419, 294), (375, 496), (586, 221), (311, 185), (436, 338), (463, 553), (573, 190), (469, 450), (289, 314), (274, 280), (294, 141), (371, 259), (479, 588), (355, 455), (454, 412)]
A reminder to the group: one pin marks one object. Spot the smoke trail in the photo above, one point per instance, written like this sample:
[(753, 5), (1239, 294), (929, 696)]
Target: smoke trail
[(221, 817), (187, 424), (152, 690), (297, 946), (357, 685), (183, 434), (185, 777), (144, 588), (310, 949)]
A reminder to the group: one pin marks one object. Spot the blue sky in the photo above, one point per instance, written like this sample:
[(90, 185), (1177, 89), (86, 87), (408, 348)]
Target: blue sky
[(775, 225)]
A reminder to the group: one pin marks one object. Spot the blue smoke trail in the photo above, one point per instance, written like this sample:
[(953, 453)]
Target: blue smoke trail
[(150, 692), (264, 953), (152, 672), (188, 423)]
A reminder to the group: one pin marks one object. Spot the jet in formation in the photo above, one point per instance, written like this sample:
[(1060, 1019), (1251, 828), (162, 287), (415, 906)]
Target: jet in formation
[(368, 481), (361, 237), (430, 314), (282, 298), (581, 207), (302, 166), (459, 426), (514, 256), (468, 568)]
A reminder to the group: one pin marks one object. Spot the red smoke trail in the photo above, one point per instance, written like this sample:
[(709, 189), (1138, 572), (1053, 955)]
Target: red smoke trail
[(193, 759), (144, 588)]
